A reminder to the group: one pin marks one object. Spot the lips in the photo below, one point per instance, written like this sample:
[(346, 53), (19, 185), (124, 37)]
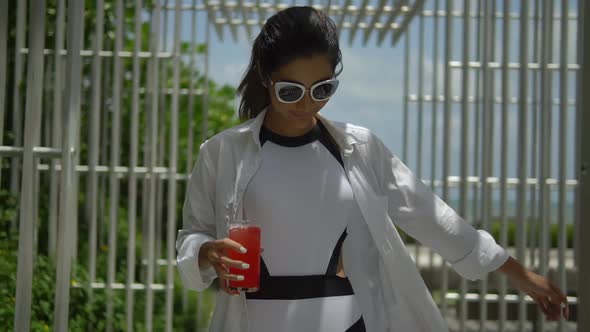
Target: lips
[(301, 114)]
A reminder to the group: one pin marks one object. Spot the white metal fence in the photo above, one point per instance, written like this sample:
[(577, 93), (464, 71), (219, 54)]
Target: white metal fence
[(103, 103)]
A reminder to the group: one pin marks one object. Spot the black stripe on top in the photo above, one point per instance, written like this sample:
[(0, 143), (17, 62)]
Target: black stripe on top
[(318, 132)]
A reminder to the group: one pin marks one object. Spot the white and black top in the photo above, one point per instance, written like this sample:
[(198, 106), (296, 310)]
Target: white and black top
[(303, 201)]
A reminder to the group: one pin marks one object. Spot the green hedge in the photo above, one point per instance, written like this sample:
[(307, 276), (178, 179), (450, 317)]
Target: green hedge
[(496, 226), (82, 313)]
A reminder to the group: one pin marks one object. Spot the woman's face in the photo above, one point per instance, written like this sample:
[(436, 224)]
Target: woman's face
[(306, 71)]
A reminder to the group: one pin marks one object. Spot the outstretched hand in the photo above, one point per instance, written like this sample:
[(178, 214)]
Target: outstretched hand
[(550, 299)]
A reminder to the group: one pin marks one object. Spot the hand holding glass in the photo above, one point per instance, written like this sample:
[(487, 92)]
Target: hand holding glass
[(248, 235)]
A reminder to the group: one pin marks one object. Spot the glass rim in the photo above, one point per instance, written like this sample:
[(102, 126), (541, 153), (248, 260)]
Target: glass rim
[(243, 223)]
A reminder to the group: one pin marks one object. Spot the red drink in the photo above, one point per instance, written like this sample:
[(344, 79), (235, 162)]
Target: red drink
[(248, 236)]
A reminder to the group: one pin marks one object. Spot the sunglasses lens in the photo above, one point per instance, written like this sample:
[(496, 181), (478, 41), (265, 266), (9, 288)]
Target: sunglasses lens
[(324, 91), (290, 94)]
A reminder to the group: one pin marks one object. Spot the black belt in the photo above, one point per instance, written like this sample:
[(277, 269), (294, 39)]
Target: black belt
[(307, 287), (301, 287)]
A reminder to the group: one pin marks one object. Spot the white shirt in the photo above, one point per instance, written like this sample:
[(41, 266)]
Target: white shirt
[(389, 289)]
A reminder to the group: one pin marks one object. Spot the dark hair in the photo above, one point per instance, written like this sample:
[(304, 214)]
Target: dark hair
[(289, 34)]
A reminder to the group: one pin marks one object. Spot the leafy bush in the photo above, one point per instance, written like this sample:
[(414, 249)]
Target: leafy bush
[(83, 313)]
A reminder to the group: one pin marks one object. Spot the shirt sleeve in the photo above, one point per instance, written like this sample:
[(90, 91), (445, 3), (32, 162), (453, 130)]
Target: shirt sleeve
[(198, 224), (423, 215)]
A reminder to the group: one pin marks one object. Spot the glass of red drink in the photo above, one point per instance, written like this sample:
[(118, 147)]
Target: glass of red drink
[(248, 235)]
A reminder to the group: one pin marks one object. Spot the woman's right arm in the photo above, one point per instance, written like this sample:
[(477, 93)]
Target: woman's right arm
[(198, 224), (200, 256)]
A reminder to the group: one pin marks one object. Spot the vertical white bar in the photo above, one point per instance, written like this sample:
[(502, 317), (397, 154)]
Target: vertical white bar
[(405, 129), (504, 158), (35, 204), (446, 135), (435, 24), (420, 122), (563, 155), (165, 111), (463, 189), (94, 147), (153, 145), (488, 142), (161, 155), (57, 120), (477, 111), (24, 276), (205, 117), (173, 156), (545, 142), (204, 131), (191, 126), (406, 119), (69, 179), (535, 112), (114, 162), (21, 23), (435, 100), (579, 49), (146, 146), (522, 152), (132, 189), (104, 151), (191, 88)]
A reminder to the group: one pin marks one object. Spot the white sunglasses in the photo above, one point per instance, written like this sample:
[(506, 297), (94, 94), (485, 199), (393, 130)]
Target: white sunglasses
[(289, 92)]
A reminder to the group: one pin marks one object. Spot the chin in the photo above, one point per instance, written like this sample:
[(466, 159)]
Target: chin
[(302, 115)]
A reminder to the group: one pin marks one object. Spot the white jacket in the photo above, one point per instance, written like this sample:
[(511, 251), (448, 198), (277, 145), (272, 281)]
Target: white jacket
[(388, 286)]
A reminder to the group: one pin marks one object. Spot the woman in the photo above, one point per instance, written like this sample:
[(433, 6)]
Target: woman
[(326, 195)]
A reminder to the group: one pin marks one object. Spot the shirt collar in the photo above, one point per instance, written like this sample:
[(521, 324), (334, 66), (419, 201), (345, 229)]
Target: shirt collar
[(345, 142)]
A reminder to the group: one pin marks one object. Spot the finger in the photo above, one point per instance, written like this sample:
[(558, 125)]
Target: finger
[(565, 310), (234, 263), (564, 305), (231, 244), (223, 282), (233, 277), (546, 307), (227, 288), (558, 305), (222, 272), (554, 309), (213, 256)]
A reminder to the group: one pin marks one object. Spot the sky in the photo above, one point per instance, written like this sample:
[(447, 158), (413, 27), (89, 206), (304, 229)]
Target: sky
[(371, 90)]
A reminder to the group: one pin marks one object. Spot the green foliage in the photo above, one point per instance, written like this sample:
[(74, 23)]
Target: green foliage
[(84, 313), (220, 115), (496, 226), (43, 290)]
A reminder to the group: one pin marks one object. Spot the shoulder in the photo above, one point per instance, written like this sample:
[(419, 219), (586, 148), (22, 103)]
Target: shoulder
[(354, 133), (368, 144), (232, 135)]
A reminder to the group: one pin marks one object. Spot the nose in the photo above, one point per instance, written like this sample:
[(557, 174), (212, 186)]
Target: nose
[(305, 103)]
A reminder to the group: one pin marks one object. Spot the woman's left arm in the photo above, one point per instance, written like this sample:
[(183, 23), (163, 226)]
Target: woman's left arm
[(472, 253), (550, 299)]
